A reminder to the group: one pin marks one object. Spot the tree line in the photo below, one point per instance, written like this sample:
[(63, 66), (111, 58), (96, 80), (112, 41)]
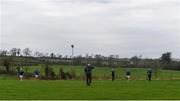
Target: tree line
[(30, 58)]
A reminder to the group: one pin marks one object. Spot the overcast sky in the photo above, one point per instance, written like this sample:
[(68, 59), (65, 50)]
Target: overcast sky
[(123, 27)]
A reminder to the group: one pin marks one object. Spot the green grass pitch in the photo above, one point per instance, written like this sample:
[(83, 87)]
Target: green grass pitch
[(136, 89), (63, 90)]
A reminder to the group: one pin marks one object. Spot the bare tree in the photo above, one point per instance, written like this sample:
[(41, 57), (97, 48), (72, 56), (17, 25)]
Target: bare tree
[(27, 52), (59, 56), (52, 55), (18, 51), (4, 53), (13, 51), (98, 59), (166, 57), (36, 54), (40, 54), (117, 56), (111, 60)]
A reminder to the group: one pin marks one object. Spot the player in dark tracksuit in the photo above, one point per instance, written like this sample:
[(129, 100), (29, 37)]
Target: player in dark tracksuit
[(128, 74), (149, 74), (21, 74), (88, 73), (113, 74), (36, 73)]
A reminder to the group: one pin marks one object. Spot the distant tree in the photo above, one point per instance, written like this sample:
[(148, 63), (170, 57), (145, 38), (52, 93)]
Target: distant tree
[(98, 59), (134, 60), (66, 56), (13, 51), (52, 55), (87, 56), (4, 53), (40, 54), (18, 51), (36, 54), (166, 57), (59, 56), (117, 56), (111, 60), (27, 52), (78, 60)]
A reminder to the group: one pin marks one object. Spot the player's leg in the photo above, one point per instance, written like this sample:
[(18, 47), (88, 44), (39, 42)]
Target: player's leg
[(149, 77), (128, 77), (112, 77), (87, 80), (90, 79)]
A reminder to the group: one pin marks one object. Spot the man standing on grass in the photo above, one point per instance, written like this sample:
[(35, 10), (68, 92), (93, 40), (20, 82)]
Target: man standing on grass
[(149, 74), (21, 74), (113, 74), (36, 74), (88, 73), (128, 74)]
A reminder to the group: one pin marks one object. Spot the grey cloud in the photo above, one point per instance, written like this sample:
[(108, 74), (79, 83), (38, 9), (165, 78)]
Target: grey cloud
[(124, 27)]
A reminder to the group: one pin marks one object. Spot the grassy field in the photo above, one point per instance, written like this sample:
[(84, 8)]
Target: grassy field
[(44, 90), (165, 88), (136, 73)]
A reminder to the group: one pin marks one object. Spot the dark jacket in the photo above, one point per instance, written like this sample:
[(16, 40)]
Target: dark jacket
[(36, 72), (113, 73), (128, 73), (21, 73), (88, 70), (149, 72)]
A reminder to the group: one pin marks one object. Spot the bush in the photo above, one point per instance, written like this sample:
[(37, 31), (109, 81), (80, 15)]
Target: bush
[(62, 74), (6, 64), (52, 74)]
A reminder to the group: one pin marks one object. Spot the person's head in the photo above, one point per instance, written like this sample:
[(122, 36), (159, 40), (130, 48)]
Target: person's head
[(88, 64)]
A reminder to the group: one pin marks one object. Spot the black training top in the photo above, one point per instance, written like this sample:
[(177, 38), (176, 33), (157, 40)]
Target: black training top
[(149, 72), (128, 73), (88, 70), (21, 72)]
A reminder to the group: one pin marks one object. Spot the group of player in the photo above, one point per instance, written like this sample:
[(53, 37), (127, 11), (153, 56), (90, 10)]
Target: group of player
[(113, 74), (21, 74), (88, 73)]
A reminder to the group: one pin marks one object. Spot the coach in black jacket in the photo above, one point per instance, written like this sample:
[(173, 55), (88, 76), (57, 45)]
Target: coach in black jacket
[(88, 73)]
